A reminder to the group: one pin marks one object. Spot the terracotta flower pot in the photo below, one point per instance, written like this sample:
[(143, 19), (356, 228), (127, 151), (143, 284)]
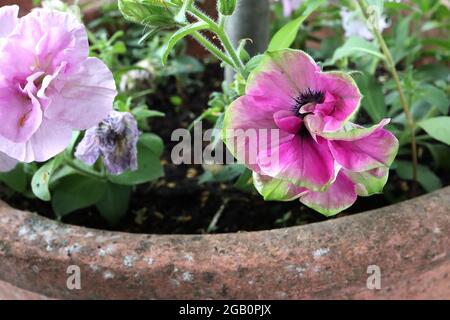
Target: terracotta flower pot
[(408, 242)]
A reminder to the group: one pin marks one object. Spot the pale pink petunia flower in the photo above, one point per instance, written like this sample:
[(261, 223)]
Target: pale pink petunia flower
[(6, 163), (49, 86)]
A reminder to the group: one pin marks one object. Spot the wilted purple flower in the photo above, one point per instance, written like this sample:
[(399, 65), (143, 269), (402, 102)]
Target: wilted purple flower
[(354, 24), (115, 140)]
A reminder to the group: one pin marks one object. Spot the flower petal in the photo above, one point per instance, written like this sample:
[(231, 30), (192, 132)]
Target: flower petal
[(275, 189), (351, 131), (51, 139), (347, 98), (280, 77), (6, 163), (369, 182), (41, 41), (88, 150), (20, 116), (301, 161), (9, 17), (287, 122), (377, 149), (339, 196), (84, 98), (249, 130)]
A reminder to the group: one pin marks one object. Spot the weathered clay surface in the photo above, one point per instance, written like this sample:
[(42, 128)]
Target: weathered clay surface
[(410, 242)]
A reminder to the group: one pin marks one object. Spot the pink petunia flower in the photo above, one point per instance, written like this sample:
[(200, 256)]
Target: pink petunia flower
[(340, 195), (49, 87), (321, 157)]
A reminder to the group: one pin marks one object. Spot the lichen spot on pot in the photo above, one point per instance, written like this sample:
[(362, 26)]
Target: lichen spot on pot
[(321, 252)]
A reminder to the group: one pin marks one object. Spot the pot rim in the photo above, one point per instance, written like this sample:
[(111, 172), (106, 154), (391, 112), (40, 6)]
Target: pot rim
[(326, 259)]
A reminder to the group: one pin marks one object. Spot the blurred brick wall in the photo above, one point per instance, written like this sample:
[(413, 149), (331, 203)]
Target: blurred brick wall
[(25, 5)]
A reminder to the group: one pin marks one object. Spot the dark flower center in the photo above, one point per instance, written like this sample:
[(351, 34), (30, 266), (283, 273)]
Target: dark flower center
[(306, 97)]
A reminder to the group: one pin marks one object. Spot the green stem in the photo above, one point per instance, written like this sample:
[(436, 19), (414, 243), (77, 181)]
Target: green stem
[(86, 172), (222, 20), (392, 69), (232, 59), (212, 48), (226, 42)]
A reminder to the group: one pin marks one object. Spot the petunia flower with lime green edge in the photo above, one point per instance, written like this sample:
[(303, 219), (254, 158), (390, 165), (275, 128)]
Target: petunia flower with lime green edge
[(322, 158)]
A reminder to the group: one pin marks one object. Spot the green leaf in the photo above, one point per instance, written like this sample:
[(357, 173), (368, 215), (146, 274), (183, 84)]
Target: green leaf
[(438, 128), (376, 6), (223, 173), (440, 43), (426, 178), (41, 179), (181, 15), (149, 164), (216, 136), (114, 204), (440, 153), (242, 53), (436, 97), (182, 65), (76, 192), (419, 110), (284, 38), (151, 13), (15, 179), (373, 97), (402, 39), (432, 72), (245, 181), (119, 48), (142, 114), (398, 6), (253, 63), (356, 47), (180, 34), (153, 142)]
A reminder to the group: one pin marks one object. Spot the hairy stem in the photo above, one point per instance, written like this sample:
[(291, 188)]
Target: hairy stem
[(225, 40), (211, 47), (392, 69)]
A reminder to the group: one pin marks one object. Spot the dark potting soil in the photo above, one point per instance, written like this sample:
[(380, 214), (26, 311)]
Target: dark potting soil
[(178, 204)]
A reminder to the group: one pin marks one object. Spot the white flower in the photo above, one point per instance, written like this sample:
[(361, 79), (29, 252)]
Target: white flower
[(354, 24)]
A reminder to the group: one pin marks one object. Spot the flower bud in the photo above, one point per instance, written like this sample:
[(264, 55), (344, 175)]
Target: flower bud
[(151, 13), (227, 7)]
